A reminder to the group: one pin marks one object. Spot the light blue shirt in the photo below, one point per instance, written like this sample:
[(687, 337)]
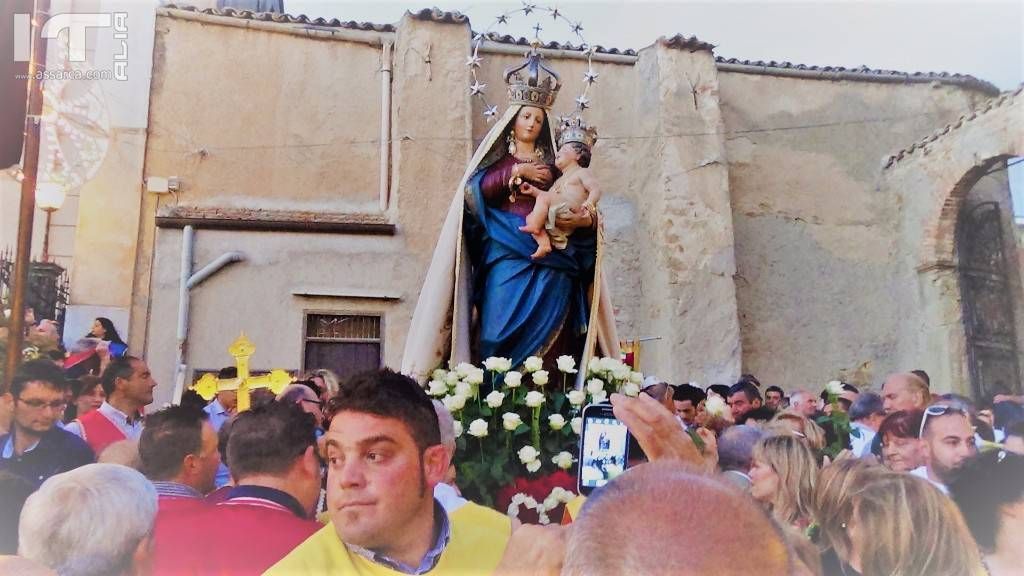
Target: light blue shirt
[(130, 427), (218, 416)]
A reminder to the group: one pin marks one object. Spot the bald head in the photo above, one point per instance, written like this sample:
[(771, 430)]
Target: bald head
[(661, 518), (904, 391)]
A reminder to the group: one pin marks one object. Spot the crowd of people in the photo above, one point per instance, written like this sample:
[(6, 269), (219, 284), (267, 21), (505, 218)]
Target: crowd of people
[(357, 477)]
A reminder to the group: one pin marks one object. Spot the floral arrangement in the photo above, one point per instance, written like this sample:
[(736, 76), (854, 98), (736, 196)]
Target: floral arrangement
[(838, 419), (519, 427)]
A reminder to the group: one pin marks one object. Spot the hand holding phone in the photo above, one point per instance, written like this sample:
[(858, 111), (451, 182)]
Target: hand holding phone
[(604, 448)]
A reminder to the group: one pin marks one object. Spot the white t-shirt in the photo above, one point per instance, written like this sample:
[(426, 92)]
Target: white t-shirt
[(922, 472)]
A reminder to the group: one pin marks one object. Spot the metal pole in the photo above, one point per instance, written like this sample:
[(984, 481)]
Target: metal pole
[(23, 252)]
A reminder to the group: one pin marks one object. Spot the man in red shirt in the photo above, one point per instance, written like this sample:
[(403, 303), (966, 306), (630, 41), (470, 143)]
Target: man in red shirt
[(179, 455), (129, 385), (272, 456)]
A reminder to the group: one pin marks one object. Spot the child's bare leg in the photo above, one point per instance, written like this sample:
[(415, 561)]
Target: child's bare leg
[(536, 219), (543, 244)]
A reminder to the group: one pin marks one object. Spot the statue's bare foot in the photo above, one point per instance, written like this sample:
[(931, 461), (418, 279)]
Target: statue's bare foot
[(543, 246)]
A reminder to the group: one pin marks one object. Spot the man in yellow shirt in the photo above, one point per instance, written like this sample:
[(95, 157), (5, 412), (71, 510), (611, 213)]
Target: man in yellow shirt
[(384, 457)]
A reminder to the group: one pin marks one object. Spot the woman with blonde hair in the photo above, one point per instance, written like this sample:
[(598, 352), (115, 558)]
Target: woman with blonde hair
[(791, 422), (901, 524), (782, 476), (833, 507)]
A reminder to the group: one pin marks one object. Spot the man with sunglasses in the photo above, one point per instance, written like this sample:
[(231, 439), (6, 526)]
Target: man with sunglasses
[(36, 448), (947, 441)]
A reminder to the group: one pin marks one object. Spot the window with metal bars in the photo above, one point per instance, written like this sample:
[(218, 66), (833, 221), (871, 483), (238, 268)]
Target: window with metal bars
[(344, 343)]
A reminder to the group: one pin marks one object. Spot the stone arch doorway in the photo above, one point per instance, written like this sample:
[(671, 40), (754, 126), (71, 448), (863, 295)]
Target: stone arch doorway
[(962, 315), (986, 254)]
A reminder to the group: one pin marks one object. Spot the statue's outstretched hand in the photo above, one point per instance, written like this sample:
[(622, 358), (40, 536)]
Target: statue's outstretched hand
[(529, 189)]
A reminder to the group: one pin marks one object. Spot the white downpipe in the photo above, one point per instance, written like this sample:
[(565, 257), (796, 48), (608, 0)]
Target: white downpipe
[(385, 127), (188, 281)]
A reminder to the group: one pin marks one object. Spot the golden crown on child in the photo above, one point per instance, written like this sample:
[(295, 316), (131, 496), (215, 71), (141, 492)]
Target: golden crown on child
[(575, 129)]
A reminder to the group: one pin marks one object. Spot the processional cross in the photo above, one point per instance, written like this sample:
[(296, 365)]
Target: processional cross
[(242, 349)]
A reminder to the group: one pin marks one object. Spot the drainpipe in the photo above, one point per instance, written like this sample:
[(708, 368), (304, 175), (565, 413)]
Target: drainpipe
[(188, 281), (385, 126)]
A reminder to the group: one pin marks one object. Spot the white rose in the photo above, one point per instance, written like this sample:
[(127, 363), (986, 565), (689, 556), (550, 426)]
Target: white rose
[(438, 374), (519, 498), (458, 428), (533, 466), (715, 406), (438, 388), (513, 379), (609, 364), (577, 425), (550, 503), (464, 368), (451, 378), (636, 377), (564, 461), (621, 372), (530, 502), (594, 366), (540, 377), (599, 397), (528, 454), (475, 376), (631, 389), (498, 364), (478, 428), (510, 421), (834, 387), (534, 399), (533, 363), (577, 397), (494, 399), (595, 385), (464, 389), (454, 403), (566, 364), (556, 421)]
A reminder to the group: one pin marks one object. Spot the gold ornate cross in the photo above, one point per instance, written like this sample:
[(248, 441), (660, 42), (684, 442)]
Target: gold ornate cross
[(242, 349)]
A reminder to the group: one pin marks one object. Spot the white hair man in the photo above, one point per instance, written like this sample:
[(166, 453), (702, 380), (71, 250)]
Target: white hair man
[(92, 521)]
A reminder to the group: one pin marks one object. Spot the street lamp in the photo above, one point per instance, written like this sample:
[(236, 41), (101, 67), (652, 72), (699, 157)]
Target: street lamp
[(49, 197)]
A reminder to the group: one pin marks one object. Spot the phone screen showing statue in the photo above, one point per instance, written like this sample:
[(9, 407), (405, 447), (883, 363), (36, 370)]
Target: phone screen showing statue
[(603, 454)]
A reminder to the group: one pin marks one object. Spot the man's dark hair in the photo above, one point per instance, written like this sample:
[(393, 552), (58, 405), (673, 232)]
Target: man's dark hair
[(43, 371), (583, 151), (118, 368), (720, 389), (227, 372), (689, 392), (982, 487), (390, 395), (866, 404), (748, 389), (267, 439), (170, 435), (774, 388), (762, 414), (923, 376)]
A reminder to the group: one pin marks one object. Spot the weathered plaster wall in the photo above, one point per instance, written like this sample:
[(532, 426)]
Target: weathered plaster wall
[(431, 144), (815, 238), (932, 179)]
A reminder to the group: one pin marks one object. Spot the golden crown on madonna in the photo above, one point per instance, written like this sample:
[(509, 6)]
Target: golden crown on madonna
[(531, 83), (575, 129)]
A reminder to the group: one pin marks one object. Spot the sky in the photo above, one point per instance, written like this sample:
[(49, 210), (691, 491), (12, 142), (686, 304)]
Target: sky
[(983, 39)]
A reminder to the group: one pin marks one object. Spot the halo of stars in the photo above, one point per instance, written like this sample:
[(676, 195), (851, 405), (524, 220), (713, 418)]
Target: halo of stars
[(474, 60)]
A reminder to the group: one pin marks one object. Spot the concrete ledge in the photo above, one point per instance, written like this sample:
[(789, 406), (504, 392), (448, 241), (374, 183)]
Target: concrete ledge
[(274, 225), (350, 293)]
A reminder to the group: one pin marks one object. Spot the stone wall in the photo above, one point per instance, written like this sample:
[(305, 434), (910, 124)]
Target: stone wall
[(816, 240)]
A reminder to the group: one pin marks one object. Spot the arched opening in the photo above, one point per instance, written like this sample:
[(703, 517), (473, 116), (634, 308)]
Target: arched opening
[(988, 257)]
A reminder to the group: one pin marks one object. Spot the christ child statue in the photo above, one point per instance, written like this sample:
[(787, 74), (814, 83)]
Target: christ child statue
[(577, 189)]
